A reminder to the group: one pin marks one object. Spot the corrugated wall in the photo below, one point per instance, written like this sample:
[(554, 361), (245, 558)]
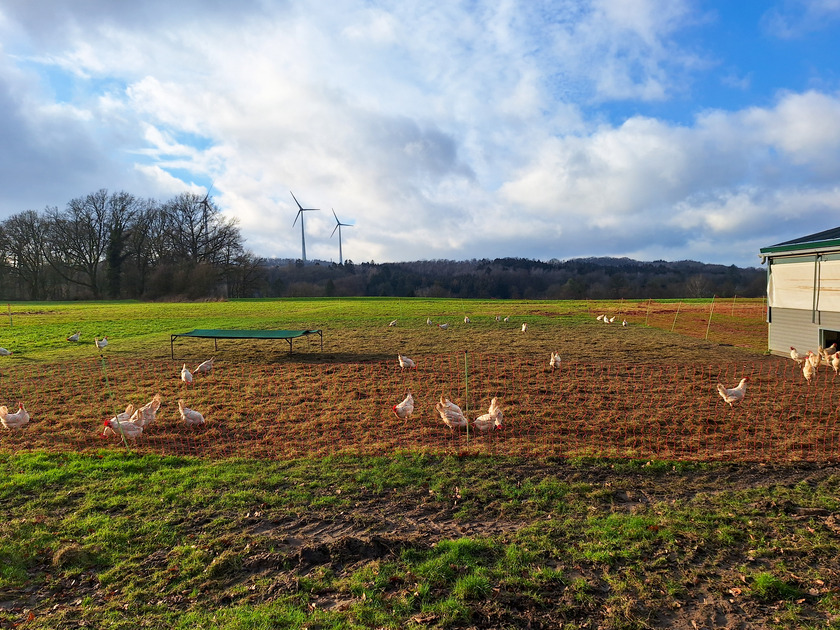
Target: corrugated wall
[(793, 327)]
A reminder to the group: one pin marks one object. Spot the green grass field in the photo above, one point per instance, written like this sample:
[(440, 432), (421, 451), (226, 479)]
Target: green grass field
[(354, 328), (126, 539)]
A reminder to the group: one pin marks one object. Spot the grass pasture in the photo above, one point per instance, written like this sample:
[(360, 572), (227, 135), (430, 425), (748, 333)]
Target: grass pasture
[(415, 526)]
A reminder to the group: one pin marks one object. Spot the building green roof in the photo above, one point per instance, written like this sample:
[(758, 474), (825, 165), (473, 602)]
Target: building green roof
[(820, 240)]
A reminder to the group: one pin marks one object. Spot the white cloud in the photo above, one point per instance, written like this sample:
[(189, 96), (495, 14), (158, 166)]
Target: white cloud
[(791, 19), (454, 131)]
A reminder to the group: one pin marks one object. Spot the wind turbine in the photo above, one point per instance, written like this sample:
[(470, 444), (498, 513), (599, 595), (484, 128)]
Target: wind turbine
[(205, 210), (301, 210), (338, 226)]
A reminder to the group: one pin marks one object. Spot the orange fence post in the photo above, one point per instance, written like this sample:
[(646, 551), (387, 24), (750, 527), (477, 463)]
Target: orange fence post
[(711, 310), (675, 316)]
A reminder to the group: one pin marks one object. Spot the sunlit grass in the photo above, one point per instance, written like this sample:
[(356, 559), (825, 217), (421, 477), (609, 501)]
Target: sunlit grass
[(161, 532)]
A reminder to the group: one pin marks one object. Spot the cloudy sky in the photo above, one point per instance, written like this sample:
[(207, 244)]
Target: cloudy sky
[(654, 129)]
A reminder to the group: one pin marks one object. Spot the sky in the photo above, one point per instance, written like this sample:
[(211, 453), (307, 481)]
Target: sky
[(541, 129)]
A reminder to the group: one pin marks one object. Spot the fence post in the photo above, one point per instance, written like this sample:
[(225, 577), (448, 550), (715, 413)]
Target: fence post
[(111, 396), (711, 310), (679, 304), (467, 393)]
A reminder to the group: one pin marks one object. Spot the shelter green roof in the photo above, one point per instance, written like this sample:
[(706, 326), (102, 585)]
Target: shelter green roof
[(827, 239)]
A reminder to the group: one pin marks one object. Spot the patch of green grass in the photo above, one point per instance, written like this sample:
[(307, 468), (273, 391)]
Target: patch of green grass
[(767, 587), (623, 537)]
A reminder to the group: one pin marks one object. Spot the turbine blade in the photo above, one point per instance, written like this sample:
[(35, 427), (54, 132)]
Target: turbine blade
[(337, 225), (296, 217), (296, 201)]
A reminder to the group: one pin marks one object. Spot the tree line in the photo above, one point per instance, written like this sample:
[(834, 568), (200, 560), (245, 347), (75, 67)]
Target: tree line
[(516, 278), (115, 246)]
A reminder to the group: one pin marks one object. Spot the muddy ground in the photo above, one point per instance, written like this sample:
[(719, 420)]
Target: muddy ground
[(272, 555)]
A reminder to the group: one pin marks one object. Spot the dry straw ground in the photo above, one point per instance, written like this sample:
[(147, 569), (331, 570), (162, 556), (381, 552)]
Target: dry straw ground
[(639, 391)]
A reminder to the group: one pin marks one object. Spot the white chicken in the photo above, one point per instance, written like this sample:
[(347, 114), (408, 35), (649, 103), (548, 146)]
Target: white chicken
[(612, 319), (392, 322), (493, 419), (498, 318), (404, 408), (123, 424), (130, 430), (450, 413), (624, 323), (524, 326), (125, 416), (100, 343), (190, 416), (428, 321), (186, 375), (600, 317), (443, 326), (735, 394), (205, 367), (5, 353), (14, 420), (555, 360), (808, 371), (145, 415), (507, 318), (815, 359), (405, 362), (835, 363), (467, 320), (75, 336), (799, 358)]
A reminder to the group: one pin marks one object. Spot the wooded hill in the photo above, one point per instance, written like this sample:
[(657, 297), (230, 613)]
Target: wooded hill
[(513, 278)]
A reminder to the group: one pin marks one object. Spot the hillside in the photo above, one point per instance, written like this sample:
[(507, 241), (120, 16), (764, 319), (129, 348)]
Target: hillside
[(512, 278)]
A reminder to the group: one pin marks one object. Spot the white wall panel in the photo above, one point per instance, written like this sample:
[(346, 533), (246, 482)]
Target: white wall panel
[(791, 285)]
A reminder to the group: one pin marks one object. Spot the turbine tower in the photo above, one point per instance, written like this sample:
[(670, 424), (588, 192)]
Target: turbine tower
[(301, 210), (338, 226), (205, 210)]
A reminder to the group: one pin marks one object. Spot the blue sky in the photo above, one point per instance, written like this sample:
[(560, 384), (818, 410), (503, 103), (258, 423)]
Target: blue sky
[(673, 129)]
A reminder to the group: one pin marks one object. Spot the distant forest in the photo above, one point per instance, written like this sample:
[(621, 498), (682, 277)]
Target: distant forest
[(116, 246), (515, 278)]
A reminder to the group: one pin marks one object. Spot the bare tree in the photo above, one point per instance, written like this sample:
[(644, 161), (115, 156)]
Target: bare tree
[(25, 237), (188, 219), (122, 208), (143, 245), (77, 239), (698, 286)]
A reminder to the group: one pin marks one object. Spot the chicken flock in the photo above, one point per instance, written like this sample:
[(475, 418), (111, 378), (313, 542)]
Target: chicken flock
[(811, 361), (133, 421)]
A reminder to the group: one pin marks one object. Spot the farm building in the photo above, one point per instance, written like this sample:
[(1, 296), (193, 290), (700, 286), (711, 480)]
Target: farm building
[(803, 292)]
